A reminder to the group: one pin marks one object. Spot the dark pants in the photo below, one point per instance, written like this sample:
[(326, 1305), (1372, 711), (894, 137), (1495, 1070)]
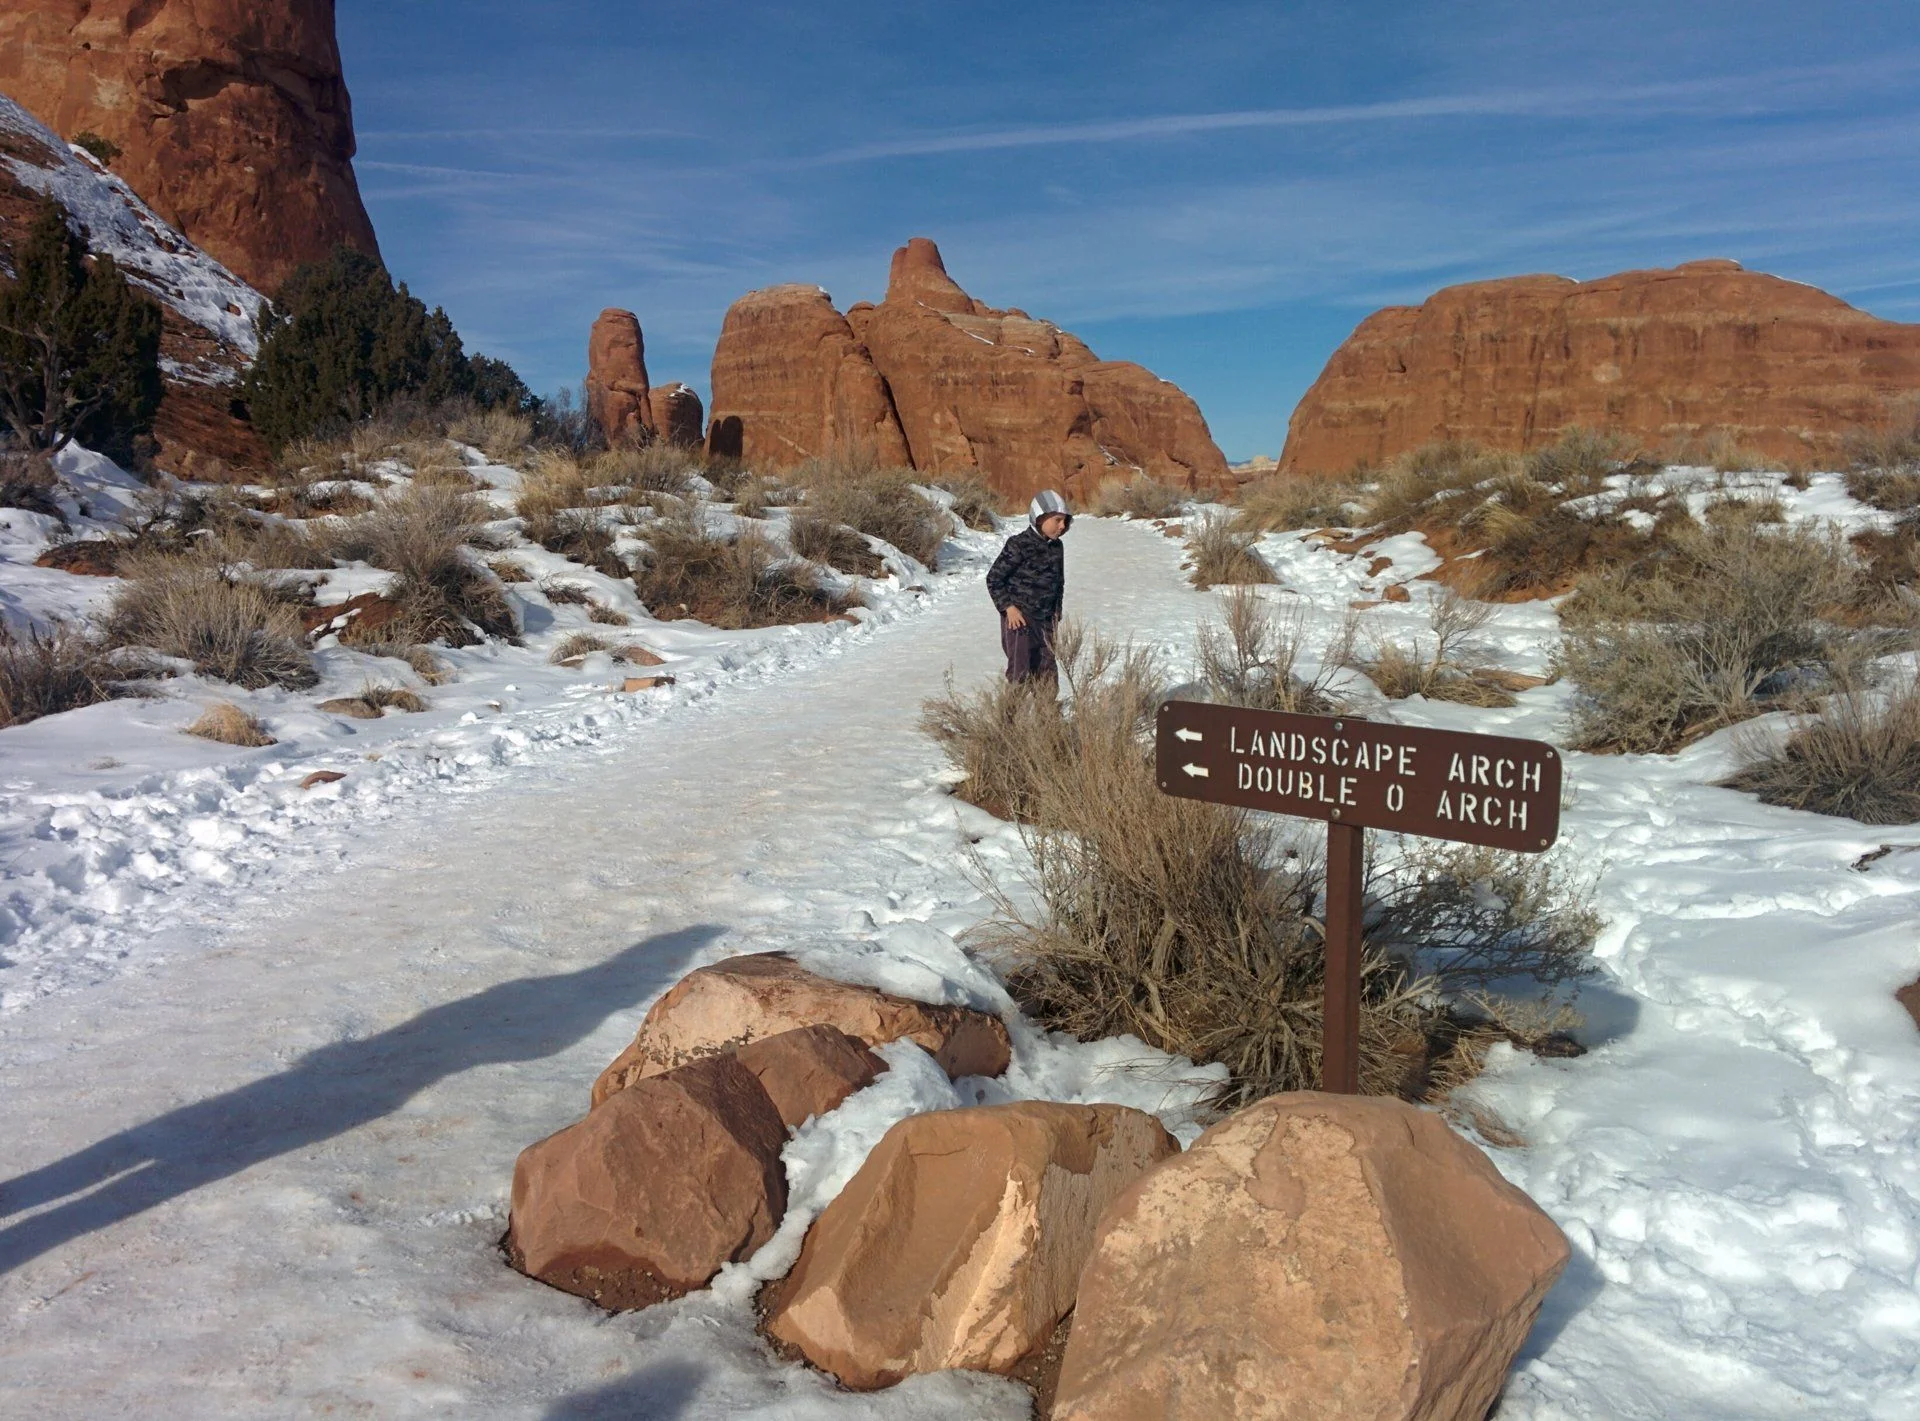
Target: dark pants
[(1029, 650)]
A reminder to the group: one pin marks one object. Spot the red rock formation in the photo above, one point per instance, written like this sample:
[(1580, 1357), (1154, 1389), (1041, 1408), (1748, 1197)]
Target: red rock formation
[(1664, 358), (617, 394), (678, 417), (232, 115), (790, 382), (969, 389)]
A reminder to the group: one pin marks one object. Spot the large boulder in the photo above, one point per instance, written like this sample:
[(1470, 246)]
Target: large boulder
[(648, 1196), (1665, 358), (809, 1071), (232, 116), (791, 383), (618, 397), (678, 417), (960, 1241), (936, 380), (743, 999), (1312, 1256)]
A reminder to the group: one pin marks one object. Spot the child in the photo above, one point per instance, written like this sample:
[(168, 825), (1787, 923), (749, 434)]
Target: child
[(1027, 582)]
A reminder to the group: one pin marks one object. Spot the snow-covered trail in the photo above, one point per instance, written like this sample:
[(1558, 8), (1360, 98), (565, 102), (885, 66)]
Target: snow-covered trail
[(266, 1177)]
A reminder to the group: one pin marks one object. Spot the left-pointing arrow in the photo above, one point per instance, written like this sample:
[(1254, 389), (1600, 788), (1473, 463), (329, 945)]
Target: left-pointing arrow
[(1184, 734), (1197, 771)]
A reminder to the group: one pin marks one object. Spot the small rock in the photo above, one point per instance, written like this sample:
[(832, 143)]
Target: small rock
[(1512, 681), (322, 777), (354, 706), (86, 557), (639, 656), (1909, 997), (810, 1071), (960, 1241), (645, 683), (743, 999), (1394, 592), (359, 618), (648, 1196), (1312, 1256)]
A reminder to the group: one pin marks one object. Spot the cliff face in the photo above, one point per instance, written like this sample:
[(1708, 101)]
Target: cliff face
[(934, 379), (232, 116), (1663, 357), (207, 334)]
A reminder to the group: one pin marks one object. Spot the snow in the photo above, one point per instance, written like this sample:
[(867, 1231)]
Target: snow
[(152, 254), (268, 1054)]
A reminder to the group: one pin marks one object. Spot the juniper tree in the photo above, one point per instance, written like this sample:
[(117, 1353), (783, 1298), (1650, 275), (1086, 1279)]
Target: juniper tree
[(341, 341), (79, 347)]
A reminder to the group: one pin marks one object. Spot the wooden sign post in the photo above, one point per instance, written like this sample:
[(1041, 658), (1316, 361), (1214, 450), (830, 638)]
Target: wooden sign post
[(1359, 775)]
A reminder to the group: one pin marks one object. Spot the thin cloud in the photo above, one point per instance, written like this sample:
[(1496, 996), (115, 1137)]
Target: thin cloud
[(1725, 97)]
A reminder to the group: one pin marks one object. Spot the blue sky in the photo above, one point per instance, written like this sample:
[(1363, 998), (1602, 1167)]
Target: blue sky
[(1218, 190)]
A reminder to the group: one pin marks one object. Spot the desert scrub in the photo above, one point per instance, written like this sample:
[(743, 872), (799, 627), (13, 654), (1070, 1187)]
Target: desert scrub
[(1859, 758), (232, 629), (883, 503), (228, 724), (422, 534), (1284, 503), (1883, 464), (1197, 927), (1724, 623), (559, 508), (1254, 656), (59, 668), (1140, 496), (1220, 555), (974, 502), (1437, 667), (728, 581), (500, 434), (819, 540)]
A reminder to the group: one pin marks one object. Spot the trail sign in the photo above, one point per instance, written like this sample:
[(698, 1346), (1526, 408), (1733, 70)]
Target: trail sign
[(1359, 774)]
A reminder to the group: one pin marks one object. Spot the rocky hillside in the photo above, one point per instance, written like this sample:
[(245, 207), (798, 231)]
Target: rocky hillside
[(1666, 358), (941, 382), (232, 116), (208, 337)]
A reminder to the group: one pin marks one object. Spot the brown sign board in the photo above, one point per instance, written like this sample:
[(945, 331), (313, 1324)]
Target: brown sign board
[(1440, 784)]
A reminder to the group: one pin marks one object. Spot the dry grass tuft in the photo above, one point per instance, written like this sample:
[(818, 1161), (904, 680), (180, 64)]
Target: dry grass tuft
[(1438, 669), (499, 434), (1138, 496), (1883, 464), (729, 582), (608, 616), (882, 503), (59, 669), (1725, 623), (509, 570), (1252, 657), (974, 503), (230, 629), (423, 534), (818, 540), (29, 481), (230, 725), (380, 699), (1283, 504), (1858, 759), (1221, 555)]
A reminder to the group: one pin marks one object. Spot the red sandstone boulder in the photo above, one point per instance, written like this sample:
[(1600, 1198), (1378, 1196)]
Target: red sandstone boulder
[(1310, 1256), (790, 382), (935, 379), (618, 397), (1662, 357), (232, 116), (743, 999), (84, 557), (677, 415), (810, 1071), (647, 1197), (960, 1241)]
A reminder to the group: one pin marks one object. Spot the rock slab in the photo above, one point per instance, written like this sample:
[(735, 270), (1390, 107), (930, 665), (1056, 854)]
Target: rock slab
[(1315, 1258), (810, 1071), (678, 416), (744, 999), (960, 1241), (647, 1197), (1664, 358)]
